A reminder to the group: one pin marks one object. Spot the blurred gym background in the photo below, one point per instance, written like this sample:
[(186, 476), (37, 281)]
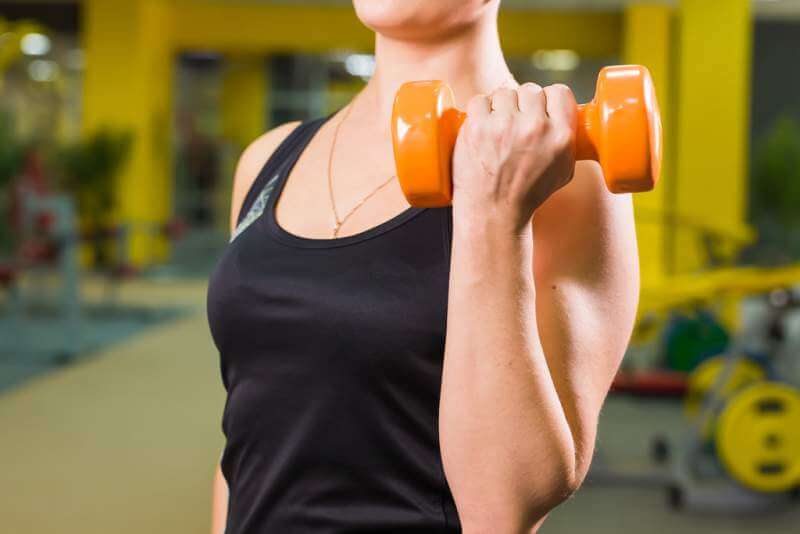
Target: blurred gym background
[(120, 125)]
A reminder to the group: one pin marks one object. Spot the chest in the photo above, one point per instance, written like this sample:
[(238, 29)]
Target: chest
[(371, 303)]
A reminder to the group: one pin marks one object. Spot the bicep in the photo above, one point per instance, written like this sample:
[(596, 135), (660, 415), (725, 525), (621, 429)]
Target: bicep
[(586, 271)]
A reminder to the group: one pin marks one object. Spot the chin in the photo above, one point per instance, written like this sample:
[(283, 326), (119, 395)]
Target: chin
[(419, 19)]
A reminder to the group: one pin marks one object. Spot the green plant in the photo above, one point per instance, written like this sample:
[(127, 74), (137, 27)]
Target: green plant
[(12, 150), (88, 168), (776, 175), (775, 195), (12, 156)]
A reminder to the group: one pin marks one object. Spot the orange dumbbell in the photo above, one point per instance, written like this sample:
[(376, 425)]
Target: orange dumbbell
[(620, 128)]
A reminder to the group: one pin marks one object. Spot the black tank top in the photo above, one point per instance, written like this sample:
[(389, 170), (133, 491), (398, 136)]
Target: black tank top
[(331, 355)]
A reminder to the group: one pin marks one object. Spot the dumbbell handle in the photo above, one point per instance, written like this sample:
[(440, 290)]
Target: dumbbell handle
[(585, 142)]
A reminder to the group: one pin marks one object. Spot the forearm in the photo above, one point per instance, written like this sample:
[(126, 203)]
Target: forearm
[(507, 447)]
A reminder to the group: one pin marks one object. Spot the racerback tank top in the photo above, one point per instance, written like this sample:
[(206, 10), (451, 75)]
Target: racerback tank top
[(331, 355)]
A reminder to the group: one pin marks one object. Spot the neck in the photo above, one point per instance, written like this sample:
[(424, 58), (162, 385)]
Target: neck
[(471, 61)]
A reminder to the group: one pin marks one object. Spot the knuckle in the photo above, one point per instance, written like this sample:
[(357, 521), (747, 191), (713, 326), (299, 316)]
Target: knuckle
[(543, 125), (562, 143), (475, 105), (560, 88), (502, 91), (530, 87), (532, 129), (474, 126), (562, 139), (480, 127), (476, 100), (564, 92), (499, 126)]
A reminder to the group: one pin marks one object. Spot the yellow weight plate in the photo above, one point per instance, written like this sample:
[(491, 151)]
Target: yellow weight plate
[(758, 437), (705, 376)]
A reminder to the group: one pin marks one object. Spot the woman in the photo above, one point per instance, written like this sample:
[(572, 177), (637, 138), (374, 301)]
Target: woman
[(396, 369)]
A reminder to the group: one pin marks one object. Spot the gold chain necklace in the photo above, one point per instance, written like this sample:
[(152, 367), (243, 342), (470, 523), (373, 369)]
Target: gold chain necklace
[(339, 221)]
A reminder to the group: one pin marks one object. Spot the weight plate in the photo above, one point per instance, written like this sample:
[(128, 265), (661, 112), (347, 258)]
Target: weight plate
[(691, 339), (705, 377), (758, 437)]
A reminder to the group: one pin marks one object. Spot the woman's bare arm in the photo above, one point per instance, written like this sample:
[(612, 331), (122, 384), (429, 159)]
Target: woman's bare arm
[(250, 164), (219, 503), (586, 266), (539, 314)]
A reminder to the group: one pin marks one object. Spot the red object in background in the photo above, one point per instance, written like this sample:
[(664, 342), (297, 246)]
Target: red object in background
[(656, 383), (37, 253), (8, 275), (32, 181), (33, 173), (44, 222), (124, 272), (175, 229)]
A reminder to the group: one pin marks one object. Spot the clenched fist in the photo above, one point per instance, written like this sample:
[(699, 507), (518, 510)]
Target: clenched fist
[(515, 149)]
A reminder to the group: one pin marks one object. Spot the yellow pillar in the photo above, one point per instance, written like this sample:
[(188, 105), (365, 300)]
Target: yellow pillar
[(647, 41), (244, 109), (128, 86), (244, 98), (713, 124)]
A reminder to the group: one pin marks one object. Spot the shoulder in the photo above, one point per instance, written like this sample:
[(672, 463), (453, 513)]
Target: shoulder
[(251, 162)]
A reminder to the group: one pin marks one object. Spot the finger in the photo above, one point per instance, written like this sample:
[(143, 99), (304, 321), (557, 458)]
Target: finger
[(532, 99), (504, 100), (561, 106), (479, 106)]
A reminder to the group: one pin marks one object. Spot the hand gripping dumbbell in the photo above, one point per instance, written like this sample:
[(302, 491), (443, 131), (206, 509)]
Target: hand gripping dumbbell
[(620, 128)]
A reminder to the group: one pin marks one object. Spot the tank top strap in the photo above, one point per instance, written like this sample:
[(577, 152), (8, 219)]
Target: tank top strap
[(288, 147)]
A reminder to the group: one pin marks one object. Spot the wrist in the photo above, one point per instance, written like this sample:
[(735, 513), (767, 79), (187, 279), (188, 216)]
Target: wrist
[(490, 226), (486, 248)]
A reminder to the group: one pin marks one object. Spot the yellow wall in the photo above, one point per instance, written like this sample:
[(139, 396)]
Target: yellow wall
[(647, 40), (244, 110), (251, 27), (699, 56), (244, 102), (128, 86), (713, 92)]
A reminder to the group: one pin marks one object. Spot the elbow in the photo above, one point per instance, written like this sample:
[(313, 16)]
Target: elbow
[(538, 510), (527, 515), (567, 471), (561, 483), (568, 484)]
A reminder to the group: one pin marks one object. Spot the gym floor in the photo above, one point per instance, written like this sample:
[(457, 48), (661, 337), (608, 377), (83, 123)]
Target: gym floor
[(126, 442)]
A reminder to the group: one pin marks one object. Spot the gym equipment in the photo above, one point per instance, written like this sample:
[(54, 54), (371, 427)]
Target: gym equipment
[(9, 284), (743, 372), (123, 268), (42, 283), (691, 338), (758, 437), (48, 245), (741, 450), (620, 128), (653, 383)]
